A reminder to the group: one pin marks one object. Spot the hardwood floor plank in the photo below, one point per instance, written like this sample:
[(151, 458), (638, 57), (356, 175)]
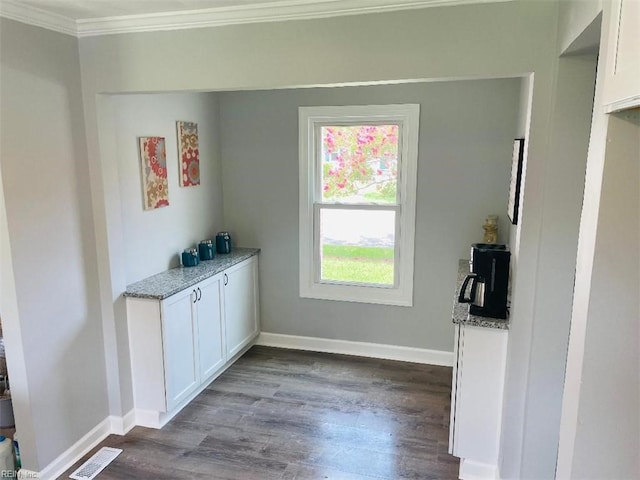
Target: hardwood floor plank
[(285, 414)]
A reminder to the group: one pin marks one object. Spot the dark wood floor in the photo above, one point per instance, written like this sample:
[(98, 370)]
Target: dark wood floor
[(285, 414)]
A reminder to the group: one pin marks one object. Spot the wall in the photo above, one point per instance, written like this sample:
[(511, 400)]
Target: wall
[(574, 17), (535, 442), (600, 428), (607, 437), (154, 238), (50, 229), (12, 333), (557, 259), (466, 136), (489, 40)]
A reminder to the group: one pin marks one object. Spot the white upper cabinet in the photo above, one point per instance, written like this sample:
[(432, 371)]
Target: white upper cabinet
[(622, 89)]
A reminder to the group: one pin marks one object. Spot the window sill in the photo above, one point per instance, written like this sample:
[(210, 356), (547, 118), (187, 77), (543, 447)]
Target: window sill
[(348, 293)]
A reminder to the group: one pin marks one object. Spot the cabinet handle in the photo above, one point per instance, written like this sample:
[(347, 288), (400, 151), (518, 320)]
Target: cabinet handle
[(199, 294), (226, 279), (195, 296)]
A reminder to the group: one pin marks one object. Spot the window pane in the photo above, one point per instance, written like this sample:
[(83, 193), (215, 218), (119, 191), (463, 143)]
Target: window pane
[(359, 164), (357, 246)]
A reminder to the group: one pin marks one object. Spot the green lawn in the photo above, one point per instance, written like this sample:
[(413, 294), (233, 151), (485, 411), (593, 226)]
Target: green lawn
[(382, 197), (358, 264)]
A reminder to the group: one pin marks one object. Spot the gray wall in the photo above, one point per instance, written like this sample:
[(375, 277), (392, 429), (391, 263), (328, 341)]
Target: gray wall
[(50, 228), (491, 40), (607, 437), (557, 262), (153, 239), (494, 40), (466, 134)]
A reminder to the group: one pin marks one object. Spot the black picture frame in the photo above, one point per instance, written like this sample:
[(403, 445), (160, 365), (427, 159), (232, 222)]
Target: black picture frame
[(513, 207)]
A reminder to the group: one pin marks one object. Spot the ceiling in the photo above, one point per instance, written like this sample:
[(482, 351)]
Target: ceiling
[(83, 18)]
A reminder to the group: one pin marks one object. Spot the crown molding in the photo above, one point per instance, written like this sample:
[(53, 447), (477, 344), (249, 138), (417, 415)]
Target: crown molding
[(37, 17), (276, 11)]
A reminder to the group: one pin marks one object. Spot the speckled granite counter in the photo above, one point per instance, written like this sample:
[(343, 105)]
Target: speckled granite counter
[(172, 281), (461, 310)]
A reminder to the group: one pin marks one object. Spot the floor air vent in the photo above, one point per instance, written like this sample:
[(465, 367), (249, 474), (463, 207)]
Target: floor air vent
[(92, 467)]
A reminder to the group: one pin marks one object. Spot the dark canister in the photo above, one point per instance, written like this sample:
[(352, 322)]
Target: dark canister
[(190, 257), (206, 250), (223, 242)]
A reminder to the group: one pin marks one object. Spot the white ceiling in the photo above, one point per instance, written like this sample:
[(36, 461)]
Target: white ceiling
[(83, 18)]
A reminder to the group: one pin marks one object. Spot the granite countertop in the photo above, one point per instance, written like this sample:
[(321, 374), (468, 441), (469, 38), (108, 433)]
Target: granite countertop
[(461, 310), (172, 281)]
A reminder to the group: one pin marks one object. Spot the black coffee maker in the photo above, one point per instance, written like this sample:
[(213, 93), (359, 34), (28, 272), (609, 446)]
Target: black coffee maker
[(489, 277)]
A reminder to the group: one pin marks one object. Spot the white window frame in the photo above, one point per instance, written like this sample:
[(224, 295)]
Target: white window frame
[(310, 119)]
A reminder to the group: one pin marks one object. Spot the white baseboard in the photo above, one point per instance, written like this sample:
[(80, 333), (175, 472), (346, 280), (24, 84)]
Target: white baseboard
[(148, 418), (110, 425), (470, 470), (128, 421), (360, 349), (122, 425), (76, 451)]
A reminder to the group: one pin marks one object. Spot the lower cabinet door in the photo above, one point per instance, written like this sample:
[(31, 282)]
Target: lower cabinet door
[(180, 347), (477, 403), (240, 305), (210, 334)]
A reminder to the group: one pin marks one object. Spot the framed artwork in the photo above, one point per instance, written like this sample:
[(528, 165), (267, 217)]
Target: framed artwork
[(188, 154), (516, 177), (153, 161)]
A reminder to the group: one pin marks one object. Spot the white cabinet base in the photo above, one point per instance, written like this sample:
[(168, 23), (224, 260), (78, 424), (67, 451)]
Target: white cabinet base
[(157, 420), (180, 344), (470, 470), (476, 401)]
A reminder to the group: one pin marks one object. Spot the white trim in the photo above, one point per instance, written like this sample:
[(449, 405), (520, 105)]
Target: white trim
[(122, 425), (470, 470), (71, 455), (110, 425), (37, 17), (624, 104), (276, 11), (148, 418), (407, 116), (359, 349), (128, 422)]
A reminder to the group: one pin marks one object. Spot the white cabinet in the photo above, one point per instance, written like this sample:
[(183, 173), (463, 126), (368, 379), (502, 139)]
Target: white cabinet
[(476, 400), (210, 328), (180, 346), (192, 338), (622, 84), (241, 305), (181, 343)]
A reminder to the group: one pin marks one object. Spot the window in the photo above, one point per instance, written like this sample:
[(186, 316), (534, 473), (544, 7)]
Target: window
[(358, 169)]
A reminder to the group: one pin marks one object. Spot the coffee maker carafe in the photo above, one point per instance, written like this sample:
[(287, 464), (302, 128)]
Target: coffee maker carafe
[(489, 277)]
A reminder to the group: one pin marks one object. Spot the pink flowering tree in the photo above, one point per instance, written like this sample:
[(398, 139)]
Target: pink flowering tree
[(360, 161)]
